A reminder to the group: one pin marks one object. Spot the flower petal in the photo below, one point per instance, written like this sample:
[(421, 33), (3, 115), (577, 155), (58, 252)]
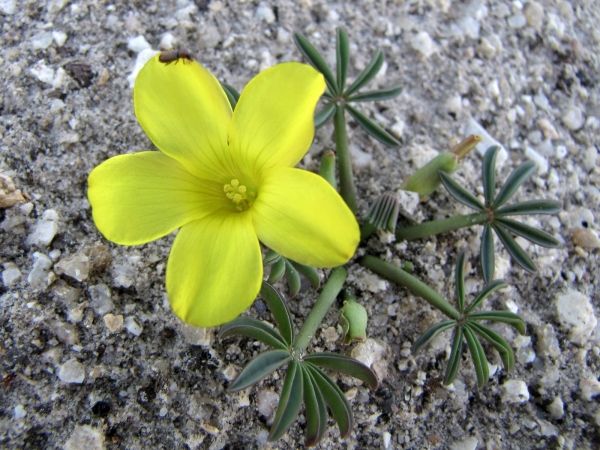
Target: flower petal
[(215, 269), (185, 113), (138, 198), (273, 123), (299, 215)]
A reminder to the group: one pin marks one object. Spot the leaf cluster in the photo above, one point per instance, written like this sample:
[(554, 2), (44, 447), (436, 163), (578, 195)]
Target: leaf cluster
[(291, 270)]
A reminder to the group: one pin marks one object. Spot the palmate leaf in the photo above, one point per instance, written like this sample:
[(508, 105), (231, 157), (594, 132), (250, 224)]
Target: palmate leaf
[(310, 273), (488, 264), (377, 95), (232, 95), (460, 193), (277, 271), (478, 355), (259, 367), (255, 329), (489, 175), (316, 60), (517, 253), (500, 316), (367, 74), (459, 275), (279, 310), (324, 115), (372, 128), (455, 356), (335, 399), (292, 278), (512, 183), (290, 401), (501, 346), (530, 207), (315, 410), (344, 364), (534, 235), (487, 290), (432, 332), (342, 55)]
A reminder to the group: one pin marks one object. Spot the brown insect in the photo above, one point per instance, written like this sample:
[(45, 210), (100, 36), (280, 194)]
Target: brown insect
[(175, 55)]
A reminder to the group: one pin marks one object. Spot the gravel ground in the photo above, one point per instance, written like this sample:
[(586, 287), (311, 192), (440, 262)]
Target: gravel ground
[(92, 357)]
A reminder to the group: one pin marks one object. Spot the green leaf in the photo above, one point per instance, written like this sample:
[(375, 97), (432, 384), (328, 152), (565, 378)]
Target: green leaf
[(232, 95), (460, 282), (292, 278), (432, 332), (271, 258), (324, 115), (372, 128), (289, 402), (501, 346), (377, 95), (455, 356), (517, 253), (487, 290), (342, 56), (501, 316), (259, 367), (488, 264), (255, 329), (344, 364), (534, 235), (316, 60), (384, 211), (277, 270), (367, 74), (488, 172), (316, 412), (530, 207), (460, 193), (310, 273), (335, 399), (514, 180), (279, 310), (478, 355)]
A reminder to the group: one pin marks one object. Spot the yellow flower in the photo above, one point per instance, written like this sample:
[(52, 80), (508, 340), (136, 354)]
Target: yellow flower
[(227, 180)]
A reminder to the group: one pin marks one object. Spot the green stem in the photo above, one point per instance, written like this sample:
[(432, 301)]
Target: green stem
[(347, 187), (315, 317), (405, 279), (440, 226), (366, 230), (327, 169)]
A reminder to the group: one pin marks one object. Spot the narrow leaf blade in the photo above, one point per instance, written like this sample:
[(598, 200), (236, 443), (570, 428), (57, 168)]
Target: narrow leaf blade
[(514, 180), (344, 364), (530, 207), (372, 128), (487, 290), (460, 282), (290, 401), (459, 192), (488, 172), (517, 253), (259, 367), (271, 258), (279, 310), (292, 278), (312, 410), (316, 60), (232, 95), (478, 355), (501, 316), (324, 115), (310, 273), (321, 409), (455, 356), (377, 95), (342, 55), (488, 264), (255, 329), (534, 235), (277, 271), (432, 332), (501, 346), (367, 74)]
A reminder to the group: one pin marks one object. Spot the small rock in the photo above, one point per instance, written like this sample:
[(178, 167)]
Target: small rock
[(41, 261), (539, 160), (98, 255), (142, 58), (515, 391), (197, 336), (123, 275), (59, 37), (101, 299), (10, 274), (470, 27), (548, 342), (575, 312), (517, 21), (8, 7), (42, 72), (65, 332), (573, 119), (19, 412), (586, 238), (266, 402), (374, 354), (387, 439), (9, 195), (486, 48), (473, 127), (467, 444), (76, 266), (547, 429), (548, 129), (42, 41), (230, 372), (360, 159), (45, 229), (534, 13), (138, 44), (330, 334), (133, 327), (72, 372), (113, 323), (372, 282), (85, 437), (209, 37), (590, 387), (423, 43), (556, 408), (167, 42), (265, 13)]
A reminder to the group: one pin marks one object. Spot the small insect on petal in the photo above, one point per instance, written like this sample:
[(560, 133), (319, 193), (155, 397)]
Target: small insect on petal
[(175, 55)]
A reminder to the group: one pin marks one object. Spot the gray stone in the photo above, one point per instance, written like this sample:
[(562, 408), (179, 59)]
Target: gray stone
[(101, 299), (10, 274), (76, 266), (71, 371), (45, 229), (85, 437), (576, 314)]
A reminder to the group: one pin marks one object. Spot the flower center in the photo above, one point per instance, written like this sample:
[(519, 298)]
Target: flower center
[(239, 195)]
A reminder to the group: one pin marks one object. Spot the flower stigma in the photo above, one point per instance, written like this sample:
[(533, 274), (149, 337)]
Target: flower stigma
[(239, 195)]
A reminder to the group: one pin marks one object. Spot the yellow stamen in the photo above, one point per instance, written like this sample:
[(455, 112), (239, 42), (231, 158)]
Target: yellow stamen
[(239, 195)]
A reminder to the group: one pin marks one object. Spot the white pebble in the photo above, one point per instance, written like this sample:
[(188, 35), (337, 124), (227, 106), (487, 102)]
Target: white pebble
[(539, 160), (473, 127), (19, 412), (75, 266), (590, 387), (133, 327), (85, 437), (45, 229), (360, 159), (548, 129), (59, 37), (517, 21), (265, 13), (470, 27), (101, 299), (556, 408), (374, 354), (142, 58), (466, 444), (8, 7), (10, 274), (42, 41), (515, 391), (138, 44), (549, 342), (71, 372), (197, 336), (423, 43), (42, 72), (573, 118), (167, 42), (387, 439), (266, 402), (576, 313), (534, 13), (372, 282)]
